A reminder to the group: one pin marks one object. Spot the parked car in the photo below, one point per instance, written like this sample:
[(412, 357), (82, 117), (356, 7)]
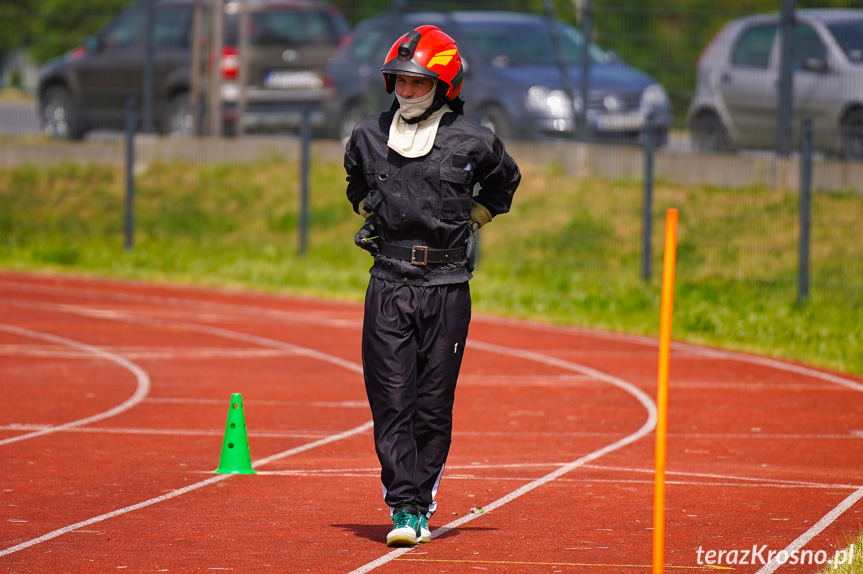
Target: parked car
[(736, 93), (290, 42), (512, 81)]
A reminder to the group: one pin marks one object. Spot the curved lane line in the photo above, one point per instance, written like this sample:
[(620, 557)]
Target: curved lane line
[(640, 395), (207, 329), (179, 492), (645, 429), (647, 341), (141, 390), (216, 306), (489, 319)]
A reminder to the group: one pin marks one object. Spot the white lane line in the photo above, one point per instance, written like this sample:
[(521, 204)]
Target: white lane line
[(650, 342), (840, 508), (260, 403), (141, 389), (192, 327), (154, 353), (565, 365), (369, 473), (835, 512), (143, 352), (645, 429), (308, 433), (816, 529), (179, 492), (305, 317), (300, 434), (218, 307)]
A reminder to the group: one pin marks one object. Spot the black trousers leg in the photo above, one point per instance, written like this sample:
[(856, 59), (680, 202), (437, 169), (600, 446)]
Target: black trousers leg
[(413, 344)]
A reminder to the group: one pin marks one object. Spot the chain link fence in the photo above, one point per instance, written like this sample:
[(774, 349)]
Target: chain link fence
[(724, 157)]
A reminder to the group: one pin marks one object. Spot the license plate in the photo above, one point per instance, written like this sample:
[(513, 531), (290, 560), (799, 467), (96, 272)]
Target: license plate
[(292, 80), (619, 122)]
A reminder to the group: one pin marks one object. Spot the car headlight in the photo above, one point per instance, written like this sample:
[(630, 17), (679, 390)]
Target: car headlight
[(552, 103), (654, 96)]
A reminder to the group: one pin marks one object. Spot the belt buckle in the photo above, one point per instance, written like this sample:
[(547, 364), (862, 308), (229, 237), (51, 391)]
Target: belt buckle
[(419, 255)]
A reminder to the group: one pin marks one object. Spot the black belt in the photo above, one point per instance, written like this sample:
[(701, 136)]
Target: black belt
[(420, 254)]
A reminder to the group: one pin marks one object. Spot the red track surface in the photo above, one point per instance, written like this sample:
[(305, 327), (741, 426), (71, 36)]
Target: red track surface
[(115, 398)]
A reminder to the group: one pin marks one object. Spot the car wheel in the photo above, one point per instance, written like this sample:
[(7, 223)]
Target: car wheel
[(852, 135), (59, 115), (708, 133), (495, 119), (179, 121)]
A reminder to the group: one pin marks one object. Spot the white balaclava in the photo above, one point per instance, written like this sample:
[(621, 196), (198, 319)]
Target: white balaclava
[(415, 140)]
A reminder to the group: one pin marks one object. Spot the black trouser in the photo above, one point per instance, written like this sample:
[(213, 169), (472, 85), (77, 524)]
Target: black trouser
[(413, 343)]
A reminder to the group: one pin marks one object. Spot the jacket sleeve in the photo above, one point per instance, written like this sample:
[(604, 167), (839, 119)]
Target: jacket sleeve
[(498, 177), (357, 188)]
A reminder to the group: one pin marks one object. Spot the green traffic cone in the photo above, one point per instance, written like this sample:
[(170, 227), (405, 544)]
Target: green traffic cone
[(235, 457)]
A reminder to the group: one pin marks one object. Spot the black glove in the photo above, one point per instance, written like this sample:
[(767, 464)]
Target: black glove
[(367, 237), (470, 248)]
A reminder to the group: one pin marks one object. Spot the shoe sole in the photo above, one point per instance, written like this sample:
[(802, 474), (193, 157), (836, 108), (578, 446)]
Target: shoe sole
[(400, 540)]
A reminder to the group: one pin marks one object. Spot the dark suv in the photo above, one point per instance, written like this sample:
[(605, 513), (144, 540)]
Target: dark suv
[(512, 79), (290, 42)]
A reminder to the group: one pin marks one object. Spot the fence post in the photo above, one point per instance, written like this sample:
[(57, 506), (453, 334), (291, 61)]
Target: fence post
[(786, 82), (147, 89), (586, 29), (805, 213), (563, 70), (129, 219), (304, 178), (648, 199), (214, 96)]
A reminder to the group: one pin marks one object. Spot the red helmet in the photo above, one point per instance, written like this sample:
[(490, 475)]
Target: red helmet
[(428, 52)]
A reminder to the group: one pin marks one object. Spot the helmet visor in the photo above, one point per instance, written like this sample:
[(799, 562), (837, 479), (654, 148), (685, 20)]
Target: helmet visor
[(408, 68)]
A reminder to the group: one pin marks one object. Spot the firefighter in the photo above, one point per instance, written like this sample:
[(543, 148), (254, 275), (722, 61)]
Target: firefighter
[(425, 178)]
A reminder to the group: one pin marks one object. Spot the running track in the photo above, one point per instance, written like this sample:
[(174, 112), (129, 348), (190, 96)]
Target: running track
[(115, 397)]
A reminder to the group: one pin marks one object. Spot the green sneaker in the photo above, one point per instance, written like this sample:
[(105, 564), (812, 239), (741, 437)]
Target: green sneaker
[(405, 530), (425, 533)]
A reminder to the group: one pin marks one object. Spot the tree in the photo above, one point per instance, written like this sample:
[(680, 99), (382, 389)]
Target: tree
[(16, 20), (60, 25)]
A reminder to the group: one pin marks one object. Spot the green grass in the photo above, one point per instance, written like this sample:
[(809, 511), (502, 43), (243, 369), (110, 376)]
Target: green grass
[(854, 551), (569, 252)]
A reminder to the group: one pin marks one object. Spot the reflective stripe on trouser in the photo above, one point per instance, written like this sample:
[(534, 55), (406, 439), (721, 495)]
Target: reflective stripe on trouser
[(413, 344)]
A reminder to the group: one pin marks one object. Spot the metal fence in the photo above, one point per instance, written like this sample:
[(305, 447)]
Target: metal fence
[(735, 157)]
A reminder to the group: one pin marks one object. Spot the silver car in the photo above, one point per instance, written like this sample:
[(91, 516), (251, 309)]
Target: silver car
[(736, 94)]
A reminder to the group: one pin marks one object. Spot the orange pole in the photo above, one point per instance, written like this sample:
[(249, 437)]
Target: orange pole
[(662, 390)]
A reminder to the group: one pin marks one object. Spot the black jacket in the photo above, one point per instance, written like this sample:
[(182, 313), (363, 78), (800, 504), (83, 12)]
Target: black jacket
[(427, 200)]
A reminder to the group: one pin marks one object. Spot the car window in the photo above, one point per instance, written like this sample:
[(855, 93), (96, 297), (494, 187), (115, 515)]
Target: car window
[(849, 36), (127, 29), (753, 47), (506, 45), (807, 45), (172, 28), (275, 28), (367, 45)]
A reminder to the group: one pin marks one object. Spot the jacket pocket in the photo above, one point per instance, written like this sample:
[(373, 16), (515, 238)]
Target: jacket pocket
[(457, 208), (376, 173), (455, 175), (455, 193)]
